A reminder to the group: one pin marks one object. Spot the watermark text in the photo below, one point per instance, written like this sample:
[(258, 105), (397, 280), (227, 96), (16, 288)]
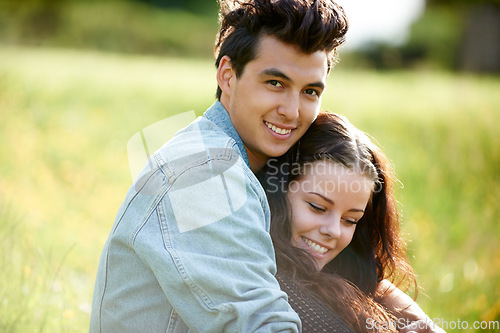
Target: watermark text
[(433, 323)]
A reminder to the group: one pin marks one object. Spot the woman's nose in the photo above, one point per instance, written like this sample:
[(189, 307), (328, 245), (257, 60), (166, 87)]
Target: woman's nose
[(331, 228)]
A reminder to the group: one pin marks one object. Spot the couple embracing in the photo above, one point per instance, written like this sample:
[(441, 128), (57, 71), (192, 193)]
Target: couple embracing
[(206, 242)]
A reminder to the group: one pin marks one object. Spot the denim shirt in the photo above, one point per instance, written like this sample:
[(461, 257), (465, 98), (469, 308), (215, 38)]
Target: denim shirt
[(190, 249)]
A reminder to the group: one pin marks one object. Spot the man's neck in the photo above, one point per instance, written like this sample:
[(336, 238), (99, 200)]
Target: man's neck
[(257, 163)]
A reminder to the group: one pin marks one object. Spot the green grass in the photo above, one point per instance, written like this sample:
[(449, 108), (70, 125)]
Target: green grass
[(66, 117)]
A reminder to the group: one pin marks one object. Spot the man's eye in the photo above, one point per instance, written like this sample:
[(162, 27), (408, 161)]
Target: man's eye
[(275, 83), (312, 92), (316, 207)]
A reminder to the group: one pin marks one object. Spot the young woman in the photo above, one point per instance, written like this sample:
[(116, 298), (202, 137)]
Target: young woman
[(335, 228)]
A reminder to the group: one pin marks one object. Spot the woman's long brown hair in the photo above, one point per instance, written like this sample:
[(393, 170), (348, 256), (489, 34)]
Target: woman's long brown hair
[(348, 283)]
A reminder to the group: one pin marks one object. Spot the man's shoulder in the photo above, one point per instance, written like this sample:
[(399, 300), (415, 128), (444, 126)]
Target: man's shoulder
[(200, 136), (206, 130), (201, 142)]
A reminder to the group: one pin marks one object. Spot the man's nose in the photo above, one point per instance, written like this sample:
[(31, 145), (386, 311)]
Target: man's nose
[(290, 105)]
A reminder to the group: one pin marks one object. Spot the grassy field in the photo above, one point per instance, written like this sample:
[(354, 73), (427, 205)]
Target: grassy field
[(66, 117)]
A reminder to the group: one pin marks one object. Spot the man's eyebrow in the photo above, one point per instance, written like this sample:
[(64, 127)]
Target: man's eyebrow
[(277, 73), (319, 85)]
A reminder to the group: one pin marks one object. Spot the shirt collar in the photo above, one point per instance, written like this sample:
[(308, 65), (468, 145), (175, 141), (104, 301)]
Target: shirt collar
[(220, 117)]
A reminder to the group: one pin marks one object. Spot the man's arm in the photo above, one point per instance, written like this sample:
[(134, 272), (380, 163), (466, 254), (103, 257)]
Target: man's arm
[(208, 245), (405, 309)]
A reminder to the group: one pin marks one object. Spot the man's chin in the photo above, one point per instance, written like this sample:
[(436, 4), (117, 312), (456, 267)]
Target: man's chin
[(278, 151)]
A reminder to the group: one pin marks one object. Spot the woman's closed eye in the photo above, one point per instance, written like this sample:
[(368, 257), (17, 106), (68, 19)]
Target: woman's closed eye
[(350, 221), (316, 207)]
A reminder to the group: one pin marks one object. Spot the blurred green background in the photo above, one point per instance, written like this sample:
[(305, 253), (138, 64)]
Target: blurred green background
[(79, 78)]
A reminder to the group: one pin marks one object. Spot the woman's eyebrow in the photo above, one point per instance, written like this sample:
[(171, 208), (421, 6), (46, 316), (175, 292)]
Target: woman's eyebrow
[(354, 210), (323, 197)]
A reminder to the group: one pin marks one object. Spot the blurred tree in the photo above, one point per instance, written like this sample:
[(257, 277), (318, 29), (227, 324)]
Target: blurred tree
[(37, 18), (478, 46), (194, 6), (436, 37), (455, 35), (111, 25)]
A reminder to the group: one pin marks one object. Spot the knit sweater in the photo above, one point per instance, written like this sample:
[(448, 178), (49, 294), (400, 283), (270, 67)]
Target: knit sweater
[(314, 314)]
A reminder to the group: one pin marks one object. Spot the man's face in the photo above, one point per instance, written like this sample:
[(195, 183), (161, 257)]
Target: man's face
[(275, 99)]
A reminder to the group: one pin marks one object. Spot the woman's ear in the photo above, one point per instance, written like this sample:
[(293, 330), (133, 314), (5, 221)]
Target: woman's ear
[(224, 75)]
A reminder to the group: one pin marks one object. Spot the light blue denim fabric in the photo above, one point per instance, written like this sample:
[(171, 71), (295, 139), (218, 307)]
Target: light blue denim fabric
[(190, 250)]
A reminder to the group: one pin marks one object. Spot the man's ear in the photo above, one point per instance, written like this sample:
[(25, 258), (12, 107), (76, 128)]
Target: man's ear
[(224, 74)]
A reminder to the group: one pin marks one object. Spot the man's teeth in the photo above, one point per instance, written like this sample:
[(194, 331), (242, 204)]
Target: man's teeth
[(315, 247), (277, 129)]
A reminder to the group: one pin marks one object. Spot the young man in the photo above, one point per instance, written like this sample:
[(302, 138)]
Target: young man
[(190, 248)]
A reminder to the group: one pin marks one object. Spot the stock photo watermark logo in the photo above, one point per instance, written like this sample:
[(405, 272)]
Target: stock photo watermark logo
[(288, 177), (145, 142), (200, 174)]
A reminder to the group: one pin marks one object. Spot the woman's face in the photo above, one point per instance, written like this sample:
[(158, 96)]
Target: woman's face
[(327, 201)]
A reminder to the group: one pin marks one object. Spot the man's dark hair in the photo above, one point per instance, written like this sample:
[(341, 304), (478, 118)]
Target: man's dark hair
[(311, 25)]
